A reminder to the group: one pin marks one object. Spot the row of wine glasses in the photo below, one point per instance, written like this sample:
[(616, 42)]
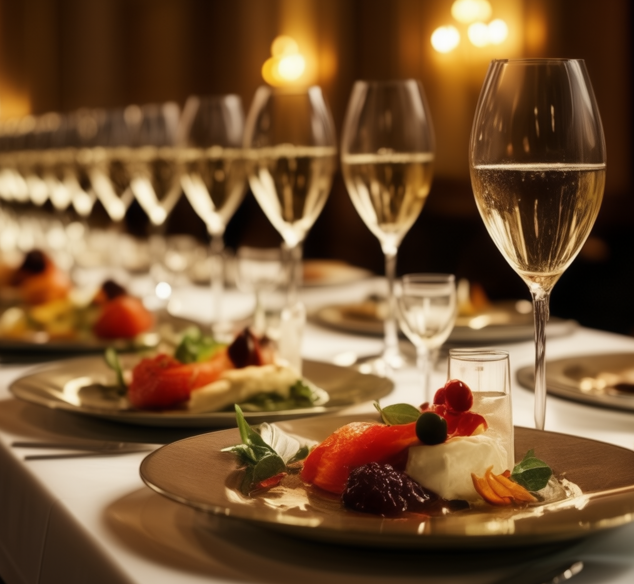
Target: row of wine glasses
[(537, 161)]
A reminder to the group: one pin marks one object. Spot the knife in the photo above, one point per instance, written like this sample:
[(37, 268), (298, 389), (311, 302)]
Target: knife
[(85, 448)]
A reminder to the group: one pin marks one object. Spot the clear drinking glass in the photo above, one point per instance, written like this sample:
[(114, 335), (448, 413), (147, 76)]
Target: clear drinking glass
[(291, 149), (214, 174), (537, 161), (387, 155), (427, 310), (487, 373), (258, 271)]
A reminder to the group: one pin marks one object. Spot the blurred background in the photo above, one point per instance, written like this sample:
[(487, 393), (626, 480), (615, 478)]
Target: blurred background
[(60, 55)]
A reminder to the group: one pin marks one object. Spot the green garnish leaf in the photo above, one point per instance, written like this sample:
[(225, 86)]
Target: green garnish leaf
[(532, 473), (398, 414), (266, 453), (112, 360), (195, 347)]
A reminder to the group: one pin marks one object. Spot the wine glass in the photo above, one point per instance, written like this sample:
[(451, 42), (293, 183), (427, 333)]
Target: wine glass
[(291, 148), (214, 174), (387, 155), (427, 309), (537, 162)]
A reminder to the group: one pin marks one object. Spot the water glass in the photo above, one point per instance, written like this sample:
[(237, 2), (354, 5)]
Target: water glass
[(487, 373), (426, 310)]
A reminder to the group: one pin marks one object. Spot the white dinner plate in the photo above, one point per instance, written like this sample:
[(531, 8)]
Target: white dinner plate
[(601, 380), (196, 473), (78, 386)]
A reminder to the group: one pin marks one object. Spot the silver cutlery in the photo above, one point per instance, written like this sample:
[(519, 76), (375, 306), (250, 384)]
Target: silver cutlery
[(82, 448)]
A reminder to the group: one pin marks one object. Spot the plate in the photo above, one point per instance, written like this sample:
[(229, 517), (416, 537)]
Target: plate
[(66, 385), (194, 472), (603, 380), (331, 272), (41, 342), (502, 322)]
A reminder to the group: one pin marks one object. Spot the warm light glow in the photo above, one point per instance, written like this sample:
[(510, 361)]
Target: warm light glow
[(284, 45), (478, 34), (445, 39), (498, 31), (467, 11), (286, 63), (291, 67)]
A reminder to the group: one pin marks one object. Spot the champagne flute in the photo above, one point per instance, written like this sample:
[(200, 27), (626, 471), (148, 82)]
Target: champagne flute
[(387, 155), (537, 161), (214, 173), (291, 145), (427, 310)]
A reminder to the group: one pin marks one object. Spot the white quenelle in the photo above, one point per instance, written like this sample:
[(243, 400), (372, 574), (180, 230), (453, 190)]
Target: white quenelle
[(446, 468)]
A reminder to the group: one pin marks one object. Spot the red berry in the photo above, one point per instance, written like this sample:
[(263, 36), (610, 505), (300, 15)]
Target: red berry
[(439, 398), (458, 396)]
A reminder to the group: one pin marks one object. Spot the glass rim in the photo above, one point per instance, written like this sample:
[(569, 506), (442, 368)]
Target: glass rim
[(388, 82), (478, 354), (429, 277), (537, 61)]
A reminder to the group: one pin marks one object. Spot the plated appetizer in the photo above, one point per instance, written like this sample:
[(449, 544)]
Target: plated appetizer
[(431, 460), (44, 306), (203, 375)]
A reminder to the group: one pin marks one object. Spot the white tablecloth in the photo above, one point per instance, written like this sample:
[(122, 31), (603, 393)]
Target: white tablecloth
[(93, 520)]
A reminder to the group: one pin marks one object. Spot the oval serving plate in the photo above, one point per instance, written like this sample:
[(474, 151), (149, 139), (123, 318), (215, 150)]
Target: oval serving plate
[(196, 473), (73, 385)]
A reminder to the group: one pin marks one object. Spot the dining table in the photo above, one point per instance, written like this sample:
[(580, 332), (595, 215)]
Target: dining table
[(92, 519)]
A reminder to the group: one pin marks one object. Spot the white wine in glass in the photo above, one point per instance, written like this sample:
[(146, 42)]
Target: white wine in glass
[(387, 157), (537, 160), (291, 145), (214, 173)]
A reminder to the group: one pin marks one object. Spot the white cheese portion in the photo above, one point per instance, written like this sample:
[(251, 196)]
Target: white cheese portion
[(238, 385), (446, 468)]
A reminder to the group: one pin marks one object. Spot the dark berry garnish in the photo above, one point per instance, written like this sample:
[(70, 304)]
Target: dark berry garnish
[(245, 350), (431, 428), (381, 490), (111, 289)]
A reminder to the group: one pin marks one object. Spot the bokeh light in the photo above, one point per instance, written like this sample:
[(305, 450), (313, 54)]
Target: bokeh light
[(467, 11), (445, 39)]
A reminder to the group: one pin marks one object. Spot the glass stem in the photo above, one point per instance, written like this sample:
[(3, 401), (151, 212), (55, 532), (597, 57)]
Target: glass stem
[(424, 363), (391, 353), (541, 300), (294, 262), (216, 249)]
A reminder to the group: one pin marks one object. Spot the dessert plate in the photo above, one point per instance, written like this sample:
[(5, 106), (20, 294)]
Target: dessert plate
[(502, 322), (80, 386), (196, 473), (602, 380)]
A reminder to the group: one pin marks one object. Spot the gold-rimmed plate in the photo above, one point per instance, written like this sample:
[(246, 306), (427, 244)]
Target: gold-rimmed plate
[(196, 473), (81, 385), (600, 379)]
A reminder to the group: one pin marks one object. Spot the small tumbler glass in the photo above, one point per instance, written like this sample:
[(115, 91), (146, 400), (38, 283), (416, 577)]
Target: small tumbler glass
[(487, 373)]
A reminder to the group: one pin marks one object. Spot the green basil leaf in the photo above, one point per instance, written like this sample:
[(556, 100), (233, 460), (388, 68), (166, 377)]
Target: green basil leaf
[(532, 473), (398, 414), (195, 347), (268, 467)]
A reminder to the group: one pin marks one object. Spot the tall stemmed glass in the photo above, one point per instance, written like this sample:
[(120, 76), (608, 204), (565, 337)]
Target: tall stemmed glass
[(387, 155), (214, 174), (537, 160), (291, 148)]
